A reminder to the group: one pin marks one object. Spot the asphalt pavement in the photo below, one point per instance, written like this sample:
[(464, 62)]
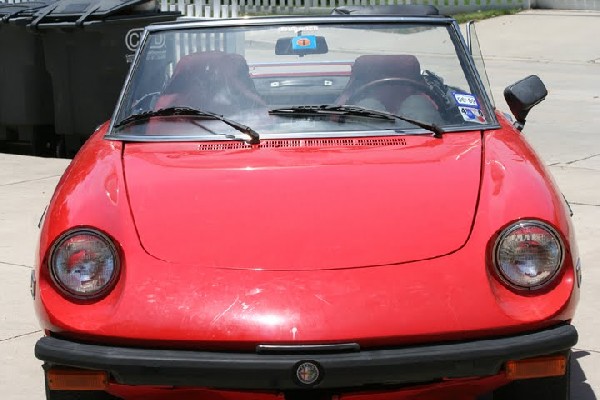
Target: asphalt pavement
[(562, 47)]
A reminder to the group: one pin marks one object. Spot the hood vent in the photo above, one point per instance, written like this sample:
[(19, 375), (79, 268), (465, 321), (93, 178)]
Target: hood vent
[(332, 142)]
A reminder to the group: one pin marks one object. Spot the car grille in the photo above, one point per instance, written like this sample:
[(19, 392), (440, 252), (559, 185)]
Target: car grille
[(332, 142)]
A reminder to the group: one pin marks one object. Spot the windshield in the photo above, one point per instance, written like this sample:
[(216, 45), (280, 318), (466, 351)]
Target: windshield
[(249, 74)]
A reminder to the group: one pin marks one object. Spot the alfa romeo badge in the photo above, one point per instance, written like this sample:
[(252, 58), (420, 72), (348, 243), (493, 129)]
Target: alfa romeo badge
[(308, 373)]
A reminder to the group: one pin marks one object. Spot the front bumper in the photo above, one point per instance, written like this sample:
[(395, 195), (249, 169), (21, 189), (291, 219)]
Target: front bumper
[(345, 370)]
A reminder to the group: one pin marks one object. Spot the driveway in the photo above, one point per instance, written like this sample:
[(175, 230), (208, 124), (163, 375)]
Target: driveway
[(561, 47)]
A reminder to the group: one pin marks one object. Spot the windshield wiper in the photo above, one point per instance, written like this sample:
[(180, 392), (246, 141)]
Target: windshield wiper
[(189, 111), (356, 111)]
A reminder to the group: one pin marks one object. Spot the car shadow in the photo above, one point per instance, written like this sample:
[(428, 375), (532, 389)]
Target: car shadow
[(580, 389)]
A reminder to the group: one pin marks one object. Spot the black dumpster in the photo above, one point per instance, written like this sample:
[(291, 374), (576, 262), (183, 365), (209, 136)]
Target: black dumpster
[(26, 109), (89, 45)]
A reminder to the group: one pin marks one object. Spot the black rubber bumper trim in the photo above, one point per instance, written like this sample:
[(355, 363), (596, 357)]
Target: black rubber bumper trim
[(249, 371)]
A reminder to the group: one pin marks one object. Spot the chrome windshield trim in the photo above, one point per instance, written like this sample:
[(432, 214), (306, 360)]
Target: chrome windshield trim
[(299, 135), (291, 20), (127, 83), (488, 103)]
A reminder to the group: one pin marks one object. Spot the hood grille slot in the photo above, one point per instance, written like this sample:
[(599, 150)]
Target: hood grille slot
[(289, 143)]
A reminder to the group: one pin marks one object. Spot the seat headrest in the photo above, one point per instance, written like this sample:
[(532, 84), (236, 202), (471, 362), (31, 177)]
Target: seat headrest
[(375, 67), (226, 63), (210, 66)]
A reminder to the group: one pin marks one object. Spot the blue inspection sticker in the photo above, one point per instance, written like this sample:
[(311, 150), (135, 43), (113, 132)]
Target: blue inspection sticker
[(471, 114), (465, 100), (304, 42)]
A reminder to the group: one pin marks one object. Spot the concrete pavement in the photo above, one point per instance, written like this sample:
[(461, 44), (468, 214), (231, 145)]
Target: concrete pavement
[(561, 47), (26, 184)]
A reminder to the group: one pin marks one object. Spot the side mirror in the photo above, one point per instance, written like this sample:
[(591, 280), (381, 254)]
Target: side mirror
[(523, 95)]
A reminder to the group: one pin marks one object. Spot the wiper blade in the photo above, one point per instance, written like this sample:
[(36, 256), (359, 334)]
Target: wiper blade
[(193, 112), (345, 110), (331, 110)]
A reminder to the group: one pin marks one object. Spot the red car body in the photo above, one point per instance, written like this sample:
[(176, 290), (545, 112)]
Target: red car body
[(408, 293), (225, 247)]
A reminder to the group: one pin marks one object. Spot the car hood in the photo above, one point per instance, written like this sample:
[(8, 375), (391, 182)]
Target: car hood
[(312, 205)]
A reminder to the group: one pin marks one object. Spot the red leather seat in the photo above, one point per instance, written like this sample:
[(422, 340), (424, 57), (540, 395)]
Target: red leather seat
[(212, 81)]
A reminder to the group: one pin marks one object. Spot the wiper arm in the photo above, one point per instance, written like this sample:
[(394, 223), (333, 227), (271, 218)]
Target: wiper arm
[(357, 111), (189, 111)]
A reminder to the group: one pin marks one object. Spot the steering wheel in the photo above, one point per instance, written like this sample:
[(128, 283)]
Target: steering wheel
[(422, 88)]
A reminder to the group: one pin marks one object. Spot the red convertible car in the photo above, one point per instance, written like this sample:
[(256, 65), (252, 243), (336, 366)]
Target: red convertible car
[(325, 207)]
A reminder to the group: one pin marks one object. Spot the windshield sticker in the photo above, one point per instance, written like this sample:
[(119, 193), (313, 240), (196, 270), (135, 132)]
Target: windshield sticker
[(306, 42), (470, 114), (465, 99)]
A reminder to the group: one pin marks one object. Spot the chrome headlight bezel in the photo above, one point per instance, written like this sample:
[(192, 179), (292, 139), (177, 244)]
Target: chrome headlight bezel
[(55, 273), (523, 224)]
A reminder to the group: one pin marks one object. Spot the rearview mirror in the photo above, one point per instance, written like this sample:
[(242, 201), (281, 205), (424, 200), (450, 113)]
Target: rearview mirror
[(523, 95), (301, 45)]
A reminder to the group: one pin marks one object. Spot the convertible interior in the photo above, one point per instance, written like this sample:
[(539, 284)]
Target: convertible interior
[(218, 82)]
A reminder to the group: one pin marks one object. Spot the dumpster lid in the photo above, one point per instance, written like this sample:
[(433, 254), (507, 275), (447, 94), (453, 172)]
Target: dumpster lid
[(26, 8), (76, 10)]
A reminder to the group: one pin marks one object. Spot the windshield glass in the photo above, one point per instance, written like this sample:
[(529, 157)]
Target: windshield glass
[(265, 76)]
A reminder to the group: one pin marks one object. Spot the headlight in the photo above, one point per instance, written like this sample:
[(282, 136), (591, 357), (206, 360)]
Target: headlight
[(528, 254), (84, 263)]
